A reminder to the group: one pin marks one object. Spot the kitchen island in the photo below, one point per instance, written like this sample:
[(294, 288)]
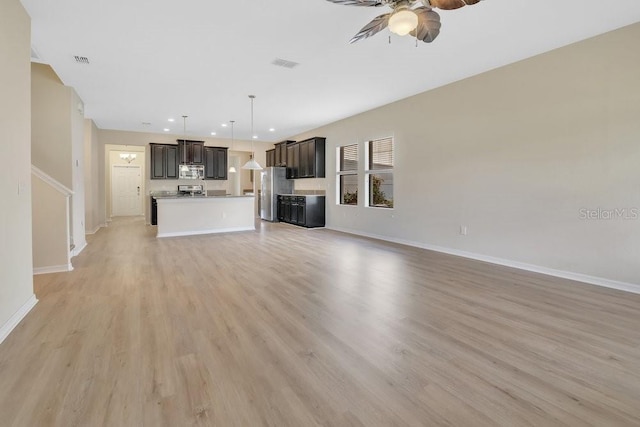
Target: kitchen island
[(188, 216)]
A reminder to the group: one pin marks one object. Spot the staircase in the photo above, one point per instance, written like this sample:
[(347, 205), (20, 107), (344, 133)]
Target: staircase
[(53, 244)]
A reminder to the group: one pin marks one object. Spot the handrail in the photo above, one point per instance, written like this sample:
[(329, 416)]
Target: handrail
[(51, 181)]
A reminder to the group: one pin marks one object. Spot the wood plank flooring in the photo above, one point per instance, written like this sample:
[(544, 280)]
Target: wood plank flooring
[(295, 327)]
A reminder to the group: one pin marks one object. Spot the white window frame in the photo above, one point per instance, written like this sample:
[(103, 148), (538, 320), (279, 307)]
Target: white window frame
[(340, 173), (368, 172)]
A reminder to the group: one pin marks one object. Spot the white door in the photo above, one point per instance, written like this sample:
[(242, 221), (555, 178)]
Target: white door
[(126, 190)]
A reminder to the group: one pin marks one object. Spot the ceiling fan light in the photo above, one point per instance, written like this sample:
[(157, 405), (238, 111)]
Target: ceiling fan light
[(403, 22)]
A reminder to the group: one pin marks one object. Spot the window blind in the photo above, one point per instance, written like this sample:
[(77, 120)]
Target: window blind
[(349, 158), (381, 154)]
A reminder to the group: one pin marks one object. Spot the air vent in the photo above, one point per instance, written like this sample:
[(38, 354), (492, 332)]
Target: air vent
[(284, 63), (81, 59)]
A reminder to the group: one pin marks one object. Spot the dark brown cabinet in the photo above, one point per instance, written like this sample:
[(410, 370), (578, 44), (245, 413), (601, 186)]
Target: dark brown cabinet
[(291, 171), (215, 163), (166, 158), (164, 161), (278, 156), (306, 211), (295, 162), (191, 152), (281, 153), (306, 159), (154, 211), (271, 157)]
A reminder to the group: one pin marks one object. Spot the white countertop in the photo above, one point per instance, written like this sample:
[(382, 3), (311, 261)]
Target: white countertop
[(198, 197)]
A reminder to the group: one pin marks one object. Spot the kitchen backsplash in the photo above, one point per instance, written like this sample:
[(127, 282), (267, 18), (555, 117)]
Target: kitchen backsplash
[(172, 184), (311, 186), (310, 192)]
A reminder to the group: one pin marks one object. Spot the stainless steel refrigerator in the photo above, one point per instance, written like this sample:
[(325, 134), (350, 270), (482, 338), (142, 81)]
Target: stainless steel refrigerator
[(274, 182)]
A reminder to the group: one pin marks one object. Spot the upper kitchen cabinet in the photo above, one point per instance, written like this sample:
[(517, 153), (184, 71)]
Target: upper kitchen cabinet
[(191, 152), (164, 161), (215, 163), (271, 157), (305, 159), (280, 154), (292, 170)]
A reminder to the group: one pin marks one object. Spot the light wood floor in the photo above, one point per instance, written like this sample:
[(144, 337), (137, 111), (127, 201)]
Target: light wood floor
[(294, 327)]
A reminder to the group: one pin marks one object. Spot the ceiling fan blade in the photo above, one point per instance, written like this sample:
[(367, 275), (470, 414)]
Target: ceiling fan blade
[(428, 24), (371, 3), (378, 24), (450, 4)]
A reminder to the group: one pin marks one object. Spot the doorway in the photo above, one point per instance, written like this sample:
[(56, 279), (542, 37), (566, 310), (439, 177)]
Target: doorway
[(126, 190)]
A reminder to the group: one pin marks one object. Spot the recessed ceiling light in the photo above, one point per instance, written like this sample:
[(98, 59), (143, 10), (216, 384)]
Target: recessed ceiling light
[(213, 133), (166, 129), (224, 125), (255, 136), (172, 120), (272, 130)]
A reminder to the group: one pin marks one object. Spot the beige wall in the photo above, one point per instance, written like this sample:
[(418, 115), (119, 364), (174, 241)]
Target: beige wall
[(514, 154), (16, 282), (57, 143), (50, 240), (50, 132), (94, 210), (77, 171)]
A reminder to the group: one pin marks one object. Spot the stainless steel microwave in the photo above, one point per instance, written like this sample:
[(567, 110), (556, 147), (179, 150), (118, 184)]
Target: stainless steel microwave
[(191, 172)]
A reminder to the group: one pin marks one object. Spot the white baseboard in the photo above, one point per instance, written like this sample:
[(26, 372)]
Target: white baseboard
[(579, 277), (76, 251), (14, 320), (95, 230), (214, 231), (53, 269)]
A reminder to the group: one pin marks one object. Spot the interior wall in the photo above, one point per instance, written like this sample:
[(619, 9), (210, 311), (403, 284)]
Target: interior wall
[(16, 280), (50, 240), (76, 126), (518, 155), (51, 118), (93, 219), (57, 143)]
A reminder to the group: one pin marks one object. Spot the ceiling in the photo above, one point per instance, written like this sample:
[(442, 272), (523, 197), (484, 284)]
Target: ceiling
[(151, 60)]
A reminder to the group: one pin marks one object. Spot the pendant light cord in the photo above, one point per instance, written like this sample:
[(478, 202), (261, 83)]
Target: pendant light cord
[(253, 152), (184, 141), (232, 123)]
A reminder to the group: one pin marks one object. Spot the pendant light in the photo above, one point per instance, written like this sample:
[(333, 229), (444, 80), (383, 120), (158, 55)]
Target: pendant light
[(184, 166), (232, 169), (252, 164)]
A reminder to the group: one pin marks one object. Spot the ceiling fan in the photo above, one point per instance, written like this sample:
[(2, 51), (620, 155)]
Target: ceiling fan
[(421, 22)]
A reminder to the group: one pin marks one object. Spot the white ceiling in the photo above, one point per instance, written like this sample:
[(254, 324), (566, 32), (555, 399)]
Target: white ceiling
[(151, 60)]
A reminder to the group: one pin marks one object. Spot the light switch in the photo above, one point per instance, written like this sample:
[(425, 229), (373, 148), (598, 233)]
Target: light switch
[(22, 187)]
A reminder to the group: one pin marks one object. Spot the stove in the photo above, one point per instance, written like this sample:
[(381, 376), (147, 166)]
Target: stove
[(196, 190)]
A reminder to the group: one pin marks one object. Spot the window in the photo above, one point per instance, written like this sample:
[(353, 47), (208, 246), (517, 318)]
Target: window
[(348, 175), (379, 173)]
